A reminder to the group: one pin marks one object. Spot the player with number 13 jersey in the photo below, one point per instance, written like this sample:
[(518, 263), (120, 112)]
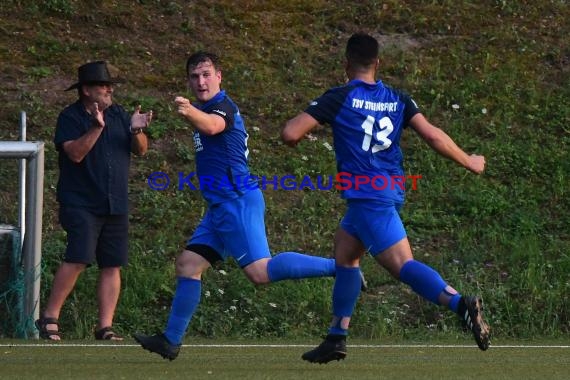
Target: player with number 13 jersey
[(367, 121)]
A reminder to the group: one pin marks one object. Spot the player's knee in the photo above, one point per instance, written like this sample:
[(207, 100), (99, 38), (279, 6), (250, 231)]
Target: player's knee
[(191, 265), (256, 272), (259, 278)]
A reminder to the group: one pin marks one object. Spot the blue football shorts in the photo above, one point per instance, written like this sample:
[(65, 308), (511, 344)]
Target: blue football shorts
[(235, 228), (378, 226)]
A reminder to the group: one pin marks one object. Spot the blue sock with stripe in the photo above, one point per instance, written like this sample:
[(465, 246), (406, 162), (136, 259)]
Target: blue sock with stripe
[(293, 265), (186, 299), (345, 294)]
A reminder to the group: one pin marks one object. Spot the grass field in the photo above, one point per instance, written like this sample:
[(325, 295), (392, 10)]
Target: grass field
[(494, 74), (254, 360)]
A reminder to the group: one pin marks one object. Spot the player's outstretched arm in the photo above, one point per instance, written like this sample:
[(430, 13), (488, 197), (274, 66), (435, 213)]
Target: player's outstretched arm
[(439, 141), (296, 128)]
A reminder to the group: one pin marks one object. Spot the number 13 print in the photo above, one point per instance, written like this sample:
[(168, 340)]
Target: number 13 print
[(386, 127)]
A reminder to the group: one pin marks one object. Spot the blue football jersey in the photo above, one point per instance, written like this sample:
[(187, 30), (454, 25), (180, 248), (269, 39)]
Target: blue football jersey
[(367, 121), (221, 159)]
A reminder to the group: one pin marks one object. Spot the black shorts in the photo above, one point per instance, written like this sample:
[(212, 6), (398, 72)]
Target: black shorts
[(91, 237)]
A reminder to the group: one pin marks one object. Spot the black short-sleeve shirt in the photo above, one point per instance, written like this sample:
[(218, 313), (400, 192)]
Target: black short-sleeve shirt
[(100, 181)]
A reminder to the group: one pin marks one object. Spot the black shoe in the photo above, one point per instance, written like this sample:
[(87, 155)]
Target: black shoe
[(158, 344), (332, 348), (471, 312)]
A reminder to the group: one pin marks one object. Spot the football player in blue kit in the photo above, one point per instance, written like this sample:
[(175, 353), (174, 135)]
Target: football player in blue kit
[(367, 119), (233, 225)]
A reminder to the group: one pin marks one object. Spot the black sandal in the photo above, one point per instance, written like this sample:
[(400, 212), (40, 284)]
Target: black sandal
[(41, 325), (107, 333)]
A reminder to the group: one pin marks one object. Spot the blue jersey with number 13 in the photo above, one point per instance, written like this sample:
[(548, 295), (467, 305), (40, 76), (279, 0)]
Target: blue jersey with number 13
[(367, 121)]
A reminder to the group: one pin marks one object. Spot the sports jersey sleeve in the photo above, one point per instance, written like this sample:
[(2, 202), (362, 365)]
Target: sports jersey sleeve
[(327, 106), (410, 108), (223, 109)]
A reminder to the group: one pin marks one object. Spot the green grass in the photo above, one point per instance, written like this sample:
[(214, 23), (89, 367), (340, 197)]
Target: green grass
[(503, 235), (256, 360)]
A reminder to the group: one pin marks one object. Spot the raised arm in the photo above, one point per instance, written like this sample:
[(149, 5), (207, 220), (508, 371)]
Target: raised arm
[(77, 149), (139, 143), (139, 121), (206, 123), (439, 141)]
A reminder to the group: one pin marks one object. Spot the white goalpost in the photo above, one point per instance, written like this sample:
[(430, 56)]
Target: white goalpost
[(31, 170)]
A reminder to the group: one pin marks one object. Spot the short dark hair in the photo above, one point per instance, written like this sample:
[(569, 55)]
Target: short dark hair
[(361, 50), (203, 56)]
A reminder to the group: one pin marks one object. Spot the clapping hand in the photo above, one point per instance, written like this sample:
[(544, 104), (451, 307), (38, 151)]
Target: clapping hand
[(140, 120), (97, 114)]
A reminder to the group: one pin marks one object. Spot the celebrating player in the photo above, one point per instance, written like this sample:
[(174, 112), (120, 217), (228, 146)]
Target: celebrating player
[(367, 119)]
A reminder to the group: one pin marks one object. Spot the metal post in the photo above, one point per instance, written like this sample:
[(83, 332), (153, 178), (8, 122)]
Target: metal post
[(22, 183), (32, 247)]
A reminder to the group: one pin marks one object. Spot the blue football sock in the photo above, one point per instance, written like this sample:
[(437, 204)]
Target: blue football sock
[(454, 303), (291, 265), (424, 280), (345, 294), (186, 299)]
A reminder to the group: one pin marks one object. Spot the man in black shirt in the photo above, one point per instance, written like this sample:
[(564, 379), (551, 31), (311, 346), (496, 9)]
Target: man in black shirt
[(94, 138)]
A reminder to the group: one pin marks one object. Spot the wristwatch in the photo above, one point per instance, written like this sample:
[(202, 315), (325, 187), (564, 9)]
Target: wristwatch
[(135, 131)]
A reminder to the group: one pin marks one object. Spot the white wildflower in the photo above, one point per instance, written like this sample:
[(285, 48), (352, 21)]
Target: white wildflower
[(272, 304), (455, 106), (484, 111), (221, 291), (222, 272), (327, 145)]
